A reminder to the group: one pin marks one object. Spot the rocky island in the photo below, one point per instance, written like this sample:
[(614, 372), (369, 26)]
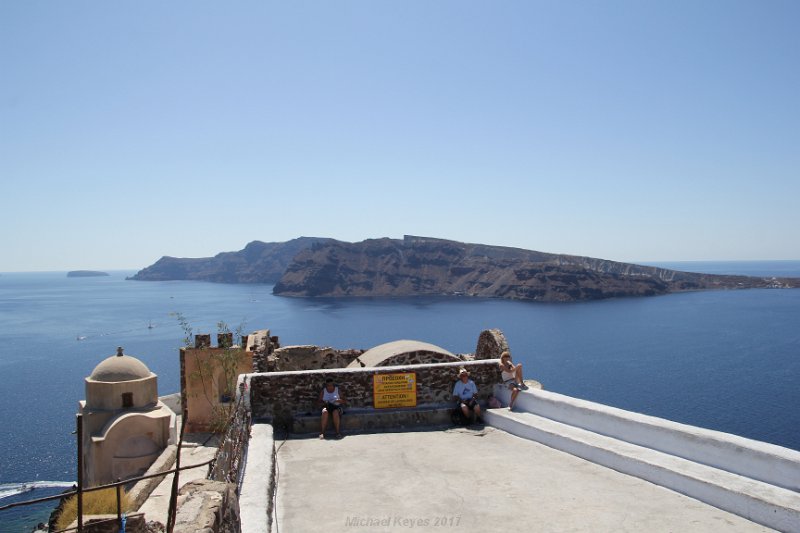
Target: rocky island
[(258, 262), (428, 266), (415, 266), (85, 273)]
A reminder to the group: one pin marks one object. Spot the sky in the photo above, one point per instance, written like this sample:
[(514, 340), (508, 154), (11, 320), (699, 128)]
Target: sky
[(626, 130)]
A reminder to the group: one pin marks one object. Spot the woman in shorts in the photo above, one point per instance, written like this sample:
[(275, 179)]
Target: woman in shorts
[(512, 377)]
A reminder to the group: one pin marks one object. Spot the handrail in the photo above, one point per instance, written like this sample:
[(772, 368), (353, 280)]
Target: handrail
[(232, 470), (100, 487)]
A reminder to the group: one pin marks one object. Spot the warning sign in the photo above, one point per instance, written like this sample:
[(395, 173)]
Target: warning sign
[(394, 390)]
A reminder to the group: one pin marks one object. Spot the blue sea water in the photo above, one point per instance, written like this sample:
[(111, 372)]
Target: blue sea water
[(725, 360)]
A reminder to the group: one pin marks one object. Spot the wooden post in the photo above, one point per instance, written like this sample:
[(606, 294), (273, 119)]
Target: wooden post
[(80, 471), (119, 506), (173, 497)]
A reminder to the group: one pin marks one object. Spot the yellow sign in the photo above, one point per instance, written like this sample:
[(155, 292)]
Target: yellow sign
[(394, 390)]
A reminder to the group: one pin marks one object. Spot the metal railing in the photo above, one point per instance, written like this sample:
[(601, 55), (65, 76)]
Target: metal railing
[(227, 463), (225, 466), (117, 485)]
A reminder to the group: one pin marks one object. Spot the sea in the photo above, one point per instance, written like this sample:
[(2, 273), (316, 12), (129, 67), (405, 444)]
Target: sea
[(724, 360)]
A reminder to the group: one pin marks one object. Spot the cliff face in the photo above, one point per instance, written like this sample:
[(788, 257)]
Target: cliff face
[(413, 266), (424, 266), (258, 262)]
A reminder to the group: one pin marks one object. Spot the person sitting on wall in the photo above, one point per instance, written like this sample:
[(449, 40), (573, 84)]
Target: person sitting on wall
[(512, 377), (332, 402), (465, 393)]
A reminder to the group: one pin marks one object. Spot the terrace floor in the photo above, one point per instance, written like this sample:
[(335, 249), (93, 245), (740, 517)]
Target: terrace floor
[(464, 479)]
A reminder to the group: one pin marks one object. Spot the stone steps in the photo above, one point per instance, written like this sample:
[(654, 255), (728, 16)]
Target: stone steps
[(762, 461), (761, 502)]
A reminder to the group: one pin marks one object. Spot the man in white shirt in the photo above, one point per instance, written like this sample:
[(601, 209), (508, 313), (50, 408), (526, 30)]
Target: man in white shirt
[(331, 401), (466, 394)]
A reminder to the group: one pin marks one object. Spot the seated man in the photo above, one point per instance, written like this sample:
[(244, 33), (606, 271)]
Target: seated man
[(465, 393), (331, 401)]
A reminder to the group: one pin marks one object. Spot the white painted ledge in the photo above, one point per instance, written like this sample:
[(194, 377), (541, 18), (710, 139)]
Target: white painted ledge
[(255, 493), (757, 460), (755, 480)]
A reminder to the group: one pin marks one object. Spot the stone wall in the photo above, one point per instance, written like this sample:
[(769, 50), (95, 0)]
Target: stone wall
[(268, 356), (262, 344), (208, 506), (419, 357), (279, 396), (292, 358)]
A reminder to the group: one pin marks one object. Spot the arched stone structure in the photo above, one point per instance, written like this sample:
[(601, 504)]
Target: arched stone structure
[(403, 352)]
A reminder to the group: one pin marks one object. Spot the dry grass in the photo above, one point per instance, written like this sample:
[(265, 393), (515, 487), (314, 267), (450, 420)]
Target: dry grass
[(95, 502)]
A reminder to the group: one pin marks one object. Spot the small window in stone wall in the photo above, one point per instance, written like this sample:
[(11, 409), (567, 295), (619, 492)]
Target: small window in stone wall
[(127, 399)]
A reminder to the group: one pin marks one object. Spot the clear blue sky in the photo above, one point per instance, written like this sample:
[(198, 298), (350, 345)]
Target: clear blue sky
[(628, 130)]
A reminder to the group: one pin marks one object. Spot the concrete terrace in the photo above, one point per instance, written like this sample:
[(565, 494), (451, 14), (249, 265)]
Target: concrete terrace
[(470, 479), (556, 463)]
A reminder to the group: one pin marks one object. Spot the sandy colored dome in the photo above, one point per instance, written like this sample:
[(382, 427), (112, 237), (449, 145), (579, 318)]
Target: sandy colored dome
[(120, 368)]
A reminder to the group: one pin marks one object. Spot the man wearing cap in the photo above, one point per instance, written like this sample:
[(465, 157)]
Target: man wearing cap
[(466, 394)]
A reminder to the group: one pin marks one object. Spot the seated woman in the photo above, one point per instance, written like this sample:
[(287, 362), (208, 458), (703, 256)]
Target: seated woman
[(331, 401), (512, 377)]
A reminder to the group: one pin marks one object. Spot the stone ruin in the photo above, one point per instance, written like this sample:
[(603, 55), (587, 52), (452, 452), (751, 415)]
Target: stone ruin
[(491, 343), (269, 356), (304, 357)]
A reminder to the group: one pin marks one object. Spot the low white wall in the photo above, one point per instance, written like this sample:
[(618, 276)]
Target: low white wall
[(754, 459), (256, 493), (173, 401)]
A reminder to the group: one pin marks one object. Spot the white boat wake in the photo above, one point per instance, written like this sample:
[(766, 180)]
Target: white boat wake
[(12, 489)]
